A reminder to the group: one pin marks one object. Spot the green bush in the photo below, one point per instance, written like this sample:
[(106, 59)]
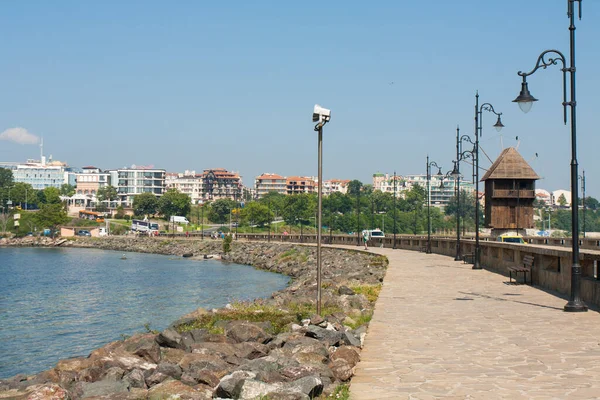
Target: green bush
[(227, 244)]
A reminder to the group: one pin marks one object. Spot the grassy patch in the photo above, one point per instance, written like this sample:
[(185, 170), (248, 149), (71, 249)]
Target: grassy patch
[(371, 292), (257, 312), (294, 255), (379, 261), (342, 392), (360, 319), (254, 312)]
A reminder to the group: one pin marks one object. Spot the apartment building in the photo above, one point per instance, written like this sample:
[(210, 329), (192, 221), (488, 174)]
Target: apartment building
[(90, 179), (335, 185), (268, 182), (188, 182), (300, 184), (219, 183), (137, 180), (442, 189), (41, 173)]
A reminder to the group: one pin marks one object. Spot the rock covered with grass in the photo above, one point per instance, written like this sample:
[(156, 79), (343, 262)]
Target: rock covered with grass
[(275, 348)]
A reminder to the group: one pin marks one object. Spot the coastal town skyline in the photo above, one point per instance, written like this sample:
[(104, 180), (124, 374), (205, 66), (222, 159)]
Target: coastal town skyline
[(214, 84)]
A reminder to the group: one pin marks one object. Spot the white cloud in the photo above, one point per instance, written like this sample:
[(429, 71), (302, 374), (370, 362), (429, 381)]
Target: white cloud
[(19, 135)]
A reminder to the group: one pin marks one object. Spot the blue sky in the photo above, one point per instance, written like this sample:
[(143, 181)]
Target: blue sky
[(199, 84)]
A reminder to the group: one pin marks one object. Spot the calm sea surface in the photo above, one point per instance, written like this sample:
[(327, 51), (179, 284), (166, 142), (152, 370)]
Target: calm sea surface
[(60, 303)]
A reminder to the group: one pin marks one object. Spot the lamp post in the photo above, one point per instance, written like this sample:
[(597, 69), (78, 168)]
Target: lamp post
[(582, 177), (394, 245), (321, 116), (525, 101), (457, 257), (269, 214), (478, 130), (429, 165)]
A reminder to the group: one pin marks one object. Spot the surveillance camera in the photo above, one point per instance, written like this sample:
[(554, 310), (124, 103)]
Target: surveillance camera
[(321, 114)]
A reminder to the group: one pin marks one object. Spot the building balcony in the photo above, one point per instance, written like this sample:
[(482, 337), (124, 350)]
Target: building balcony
[(513, 194)]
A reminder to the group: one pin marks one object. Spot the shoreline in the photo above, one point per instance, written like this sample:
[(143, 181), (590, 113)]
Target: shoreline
[(271, 346)]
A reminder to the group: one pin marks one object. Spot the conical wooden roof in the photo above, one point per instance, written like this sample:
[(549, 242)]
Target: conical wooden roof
[(510, 165)]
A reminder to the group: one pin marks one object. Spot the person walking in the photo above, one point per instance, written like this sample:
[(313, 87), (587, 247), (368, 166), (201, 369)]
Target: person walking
[(366, 238)]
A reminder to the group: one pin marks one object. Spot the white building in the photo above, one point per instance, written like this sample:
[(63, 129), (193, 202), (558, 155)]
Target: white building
[(137, 180), (556, 195), (187, 182), (441, 194)]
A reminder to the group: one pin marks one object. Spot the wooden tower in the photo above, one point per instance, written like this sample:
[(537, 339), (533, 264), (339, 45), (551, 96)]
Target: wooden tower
[(509, 194)]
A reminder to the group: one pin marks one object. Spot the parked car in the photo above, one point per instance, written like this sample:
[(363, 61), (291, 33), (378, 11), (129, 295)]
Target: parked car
[(83, 232)]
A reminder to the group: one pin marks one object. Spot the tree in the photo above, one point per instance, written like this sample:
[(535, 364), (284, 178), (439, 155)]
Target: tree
[(52, 195), (5, 218), (562, 200), (144, 204), (274, 201), (51, 215), (298, 208), (173, 202), (6, 183), (107, 194), (591, 203), (21, 193), (354, 187), (257, 214), (219, 210), (67, 190)]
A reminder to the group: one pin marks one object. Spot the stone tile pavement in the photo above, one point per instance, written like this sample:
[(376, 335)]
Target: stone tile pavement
[(441, 330)]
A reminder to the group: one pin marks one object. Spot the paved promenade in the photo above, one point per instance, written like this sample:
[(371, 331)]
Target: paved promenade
[(444, 331)]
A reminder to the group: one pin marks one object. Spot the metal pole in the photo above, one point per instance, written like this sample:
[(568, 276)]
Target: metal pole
[(269, 214), (394, 246), (457, 257), (202, 221), (319, 216), (584, 208), (477, 264), (575, 303), (428, 210)]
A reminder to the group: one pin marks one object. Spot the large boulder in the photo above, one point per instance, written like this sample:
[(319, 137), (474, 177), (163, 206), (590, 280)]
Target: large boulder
[(242, 331), (309, 385), (251, 350), (136, 379), (171, 338), (348, 353), (329, 337), (173, 389), (342, 370), (230, 386), (219, 349), (84, 390), (172, 370), (144, 346)]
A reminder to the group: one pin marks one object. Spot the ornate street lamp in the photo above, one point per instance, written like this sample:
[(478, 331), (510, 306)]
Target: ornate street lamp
[(525, 101), (429, 165), (478, 130)]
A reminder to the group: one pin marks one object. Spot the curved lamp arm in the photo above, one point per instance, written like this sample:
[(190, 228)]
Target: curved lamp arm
[(545, 60)]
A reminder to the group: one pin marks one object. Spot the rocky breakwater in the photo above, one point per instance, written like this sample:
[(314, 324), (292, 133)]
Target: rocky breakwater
[(277, 348)]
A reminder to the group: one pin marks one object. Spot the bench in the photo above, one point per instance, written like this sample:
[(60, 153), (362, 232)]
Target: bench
[(524, 268), (469, 258)]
